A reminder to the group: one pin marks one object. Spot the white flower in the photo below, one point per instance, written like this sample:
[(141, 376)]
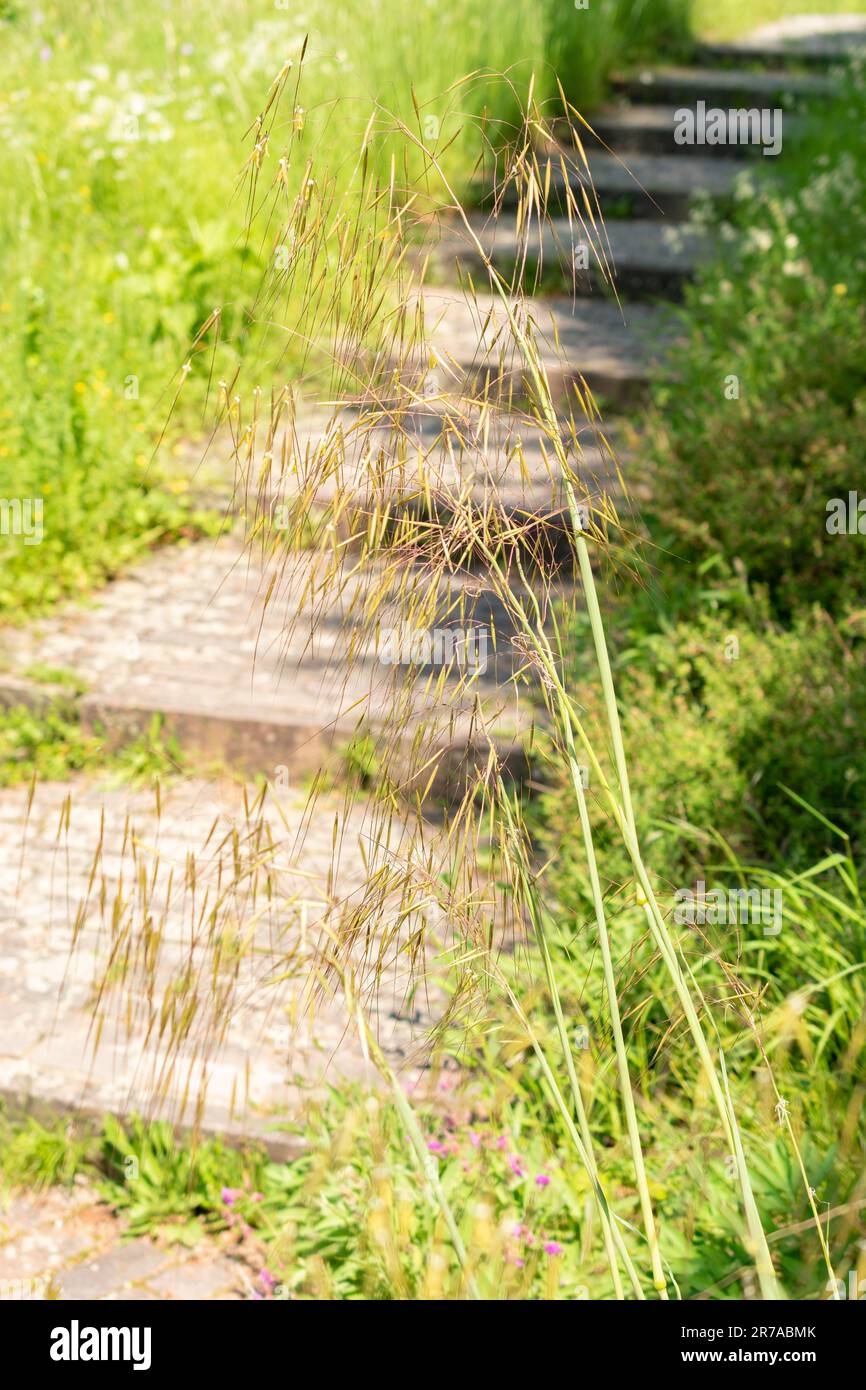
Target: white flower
[(761, 238)]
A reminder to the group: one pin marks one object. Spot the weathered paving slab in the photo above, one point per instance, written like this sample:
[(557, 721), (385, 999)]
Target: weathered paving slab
[(63, 1244), (644, 186), (723, 86), (187, 635), (443, 447), (93, 872), (251, 656), (613, 350), (642, 258), (650, 130)]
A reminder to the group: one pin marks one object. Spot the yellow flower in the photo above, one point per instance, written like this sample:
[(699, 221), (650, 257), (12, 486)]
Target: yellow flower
[(108, 318), (79, 388), (840, 290)]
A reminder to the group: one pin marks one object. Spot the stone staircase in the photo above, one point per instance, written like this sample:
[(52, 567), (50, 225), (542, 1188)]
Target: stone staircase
[(185, 634), (227, 676)]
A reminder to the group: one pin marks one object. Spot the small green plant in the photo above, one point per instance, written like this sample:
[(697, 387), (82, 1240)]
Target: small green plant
[(33, 1154), (167, 1189), (50, 744), (56, 675)]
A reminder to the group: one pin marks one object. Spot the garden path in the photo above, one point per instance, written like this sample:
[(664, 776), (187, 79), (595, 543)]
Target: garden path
[(183, 636)]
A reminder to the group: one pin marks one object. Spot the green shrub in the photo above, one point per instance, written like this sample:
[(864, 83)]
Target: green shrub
[(761, 425), (751, 478)]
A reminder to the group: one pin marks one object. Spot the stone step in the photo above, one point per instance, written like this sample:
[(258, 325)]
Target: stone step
[(723, 86), (442, 451), (630, 130), (287, 683), (644, 259), (613, 350), (798, 40), (645, 186), (652, 185), (292, 872)]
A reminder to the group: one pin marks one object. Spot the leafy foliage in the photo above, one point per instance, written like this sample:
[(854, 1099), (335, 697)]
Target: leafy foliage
[(762, 427)]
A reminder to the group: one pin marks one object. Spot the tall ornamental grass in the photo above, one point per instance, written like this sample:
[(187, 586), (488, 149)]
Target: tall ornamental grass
[(416, 503)]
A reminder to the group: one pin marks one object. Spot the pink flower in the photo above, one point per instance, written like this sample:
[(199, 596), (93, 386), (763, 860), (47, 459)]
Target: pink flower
[(514, 1165), (502, 1141), (231, 1194), (474, 1139), (553, 1247), (542, 1180), (436, 1147)]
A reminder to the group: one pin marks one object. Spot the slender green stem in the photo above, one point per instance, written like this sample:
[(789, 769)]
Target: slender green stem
[(424, 1159), (659, 1280), (537, 919)]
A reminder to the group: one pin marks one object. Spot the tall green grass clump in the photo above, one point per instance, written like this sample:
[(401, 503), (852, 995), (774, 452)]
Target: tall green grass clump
[(721, 715)]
